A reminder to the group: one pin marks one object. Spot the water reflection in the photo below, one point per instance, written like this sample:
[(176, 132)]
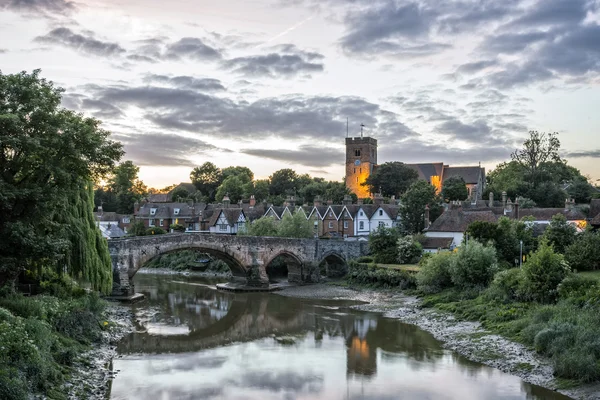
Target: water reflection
[(220, 345)]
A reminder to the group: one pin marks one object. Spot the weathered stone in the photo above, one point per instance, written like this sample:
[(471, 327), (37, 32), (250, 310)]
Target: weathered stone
[(247, 256)]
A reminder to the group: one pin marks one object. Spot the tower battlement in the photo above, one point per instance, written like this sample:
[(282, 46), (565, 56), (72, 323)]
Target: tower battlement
[(361, 158)]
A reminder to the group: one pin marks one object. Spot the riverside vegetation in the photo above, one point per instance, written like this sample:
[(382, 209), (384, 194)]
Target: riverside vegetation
[(551, 304)]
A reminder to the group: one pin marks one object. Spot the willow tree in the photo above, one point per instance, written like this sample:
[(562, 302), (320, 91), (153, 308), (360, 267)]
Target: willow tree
[(48, 157)]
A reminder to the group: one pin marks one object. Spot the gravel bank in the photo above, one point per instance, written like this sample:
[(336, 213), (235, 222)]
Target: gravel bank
[(464, 337)]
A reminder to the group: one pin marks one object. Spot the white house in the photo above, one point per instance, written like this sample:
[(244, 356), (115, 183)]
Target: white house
[(227, 221), (454, 222)]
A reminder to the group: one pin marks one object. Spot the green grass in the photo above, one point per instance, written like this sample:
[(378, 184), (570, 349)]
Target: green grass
[(591, 274)]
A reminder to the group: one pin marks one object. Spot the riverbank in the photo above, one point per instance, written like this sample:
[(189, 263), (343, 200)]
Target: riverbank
[(467, 338), (187, 272)]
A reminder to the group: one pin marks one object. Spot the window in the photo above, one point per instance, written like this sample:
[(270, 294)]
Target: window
[(345, 224), (152, 211), (380, 213), (357, 179), (222, 227), (361, 225), (161, 222), (126, 220), (151, 222), (316, 223), (361, 214), (354, 170), (360, 170), (381, 223), (330, 225), (176, 211), (357, 153)]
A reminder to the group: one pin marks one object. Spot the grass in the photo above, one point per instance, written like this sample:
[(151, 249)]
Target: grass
[(591, 274)]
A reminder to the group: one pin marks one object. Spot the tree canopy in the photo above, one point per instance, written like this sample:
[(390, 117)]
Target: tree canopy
[(455, 188), (392, 178), (412, 209), (48, 157), (207, 179)]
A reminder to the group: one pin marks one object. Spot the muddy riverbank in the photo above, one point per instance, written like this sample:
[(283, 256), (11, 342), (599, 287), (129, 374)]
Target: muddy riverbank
[(467, 338)]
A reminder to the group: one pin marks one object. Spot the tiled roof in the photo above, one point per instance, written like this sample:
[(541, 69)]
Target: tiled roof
[(437, 242), (337, 210), (546, 214), (457, 220), (594, 208), (426, 171), (159, 198), (106, 216), (369, 209), (469, 174), (596, 220), (390, 210)]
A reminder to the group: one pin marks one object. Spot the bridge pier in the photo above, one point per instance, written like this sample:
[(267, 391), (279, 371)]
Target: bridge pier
[(257, 276)]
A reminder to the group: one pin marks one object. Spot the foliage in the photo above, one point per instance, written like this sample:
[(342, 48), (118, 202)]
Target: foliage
[(507, 177), (207, 179), (137, 228), (378, 277), (259, 189), (434, 275), (409, 250), (392, 179), (295, 226), (180, 194), (412, 210), (48, 155), (581, 191), (182, 260), (155, 230), (537, 150), (177, 228), (525, 202), (543, 271), (454, 188), (126, 186), (233, 187), (383, 244), (365, 259), (560, 234), (474, 265), (584, 253), (577, 289), (283, 182), (244, 173), (507, 285), (264, 226)]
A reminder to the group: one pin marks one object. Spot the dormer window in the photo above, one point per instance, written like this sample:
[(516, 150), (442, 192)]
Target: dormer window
[(153, 211), (176, 211)]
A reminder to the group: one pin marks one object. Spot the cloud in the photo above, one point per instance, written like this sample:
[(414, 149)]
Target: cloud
[(553, 12), (475, 132), (81, 43), (2, 51), (288, 62), (156, 149), (313, 156), (192, 48), (583, 154), (189, 82), (472, 67), (38, 6), (510, 43), (520, 75)]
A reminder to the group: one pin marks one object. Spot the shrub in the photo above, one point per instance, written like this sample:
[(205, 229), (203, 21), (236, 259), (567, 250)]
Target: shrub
[(474, 265), (584, 253), (379, 277), (507, 285), (177, 228), (365, 259), (409, 250), (155, 230), (543, 272), (434, 274), (137, 229), (383, 244), (560, 233)]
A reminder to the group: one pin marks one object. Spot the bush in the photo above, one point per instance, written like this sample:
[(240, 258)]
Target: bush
[(584, 253), (434, 274), (137, 229), (543, 271), (177, 227), (409, 250), (507, 285), (560, 233), (383, 244), (474, 265), (379, 277), (155, 230)]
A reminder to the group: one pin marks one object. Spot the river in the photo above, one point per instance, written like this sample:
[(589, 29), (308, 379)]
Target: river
[(194, 342)]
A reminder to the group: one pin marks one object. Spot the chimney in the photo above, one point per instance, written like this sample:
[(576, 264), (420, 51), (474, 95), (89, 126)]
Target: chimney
[(360, 202), (252, 201), (516, 209), (569, 204), (491, 199), (347, 200), (504, 199), (226, 201), (427, 217), (509, 206), (378, 199), (290, 201), (329, 202), (317, 202), (392, 200)]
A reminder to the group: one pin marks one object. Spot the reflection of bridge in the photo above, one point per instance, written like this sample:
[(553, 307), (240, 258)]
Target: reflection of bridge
[(247, 256)]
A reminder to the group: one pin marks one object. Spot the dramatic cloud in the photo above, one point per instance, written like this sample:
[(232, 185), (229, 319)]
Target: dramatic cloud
[(474, 132), (192, 48), (288, 62), (38, 6), (189, 82), (312, 156), (82, 43)]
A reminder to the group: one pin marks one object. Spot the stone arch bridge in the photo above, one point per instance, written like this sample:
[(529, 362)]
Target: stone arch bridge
[(247, 256)]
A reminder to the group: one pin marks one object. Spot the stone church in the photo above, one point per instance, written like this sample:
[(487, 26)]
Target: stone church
[(361, 161)]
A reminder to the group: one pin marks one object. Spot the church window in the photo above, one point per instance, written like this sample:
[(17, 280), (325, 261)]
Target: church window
[(354, 170), (357, 152), (361, 170)]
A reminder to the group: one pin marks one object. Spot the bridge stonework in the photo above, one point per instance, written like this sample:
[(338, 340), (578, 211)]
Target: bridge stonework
[(247, 256)]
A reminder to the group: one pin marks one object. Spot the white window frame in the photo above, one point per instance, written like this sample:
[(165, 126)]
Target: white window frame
[(381, 223), (151, 222), (361, 225), (176, 211), (126, 220), (330, 224), (345, 224), (223, 228), (161, 222), (153, 211)]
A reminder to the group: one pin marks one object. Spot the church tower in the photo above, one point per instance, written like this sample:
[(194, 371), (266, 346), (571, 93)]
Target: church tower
[(361, 158)]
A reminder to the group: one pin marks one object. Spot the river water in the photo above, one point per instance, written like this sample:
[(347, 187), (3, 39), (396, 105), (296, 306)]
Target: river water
[(193, 342)]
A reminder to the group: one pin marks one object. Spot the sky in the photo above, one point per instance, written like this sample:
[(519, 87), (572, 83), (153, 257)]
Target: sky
[(271, 84)]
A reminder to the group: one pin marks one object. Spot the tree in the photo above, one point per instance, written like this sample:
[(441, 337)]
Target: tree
[(283, 182), (137, 228), (475, 265), (507, 177), (233, 187), (48, 156), (264, 226), (244, 173), (383, 243), (455, 188), (207, 179), (538, 149), (584, 253), (295, 226), (259, 189), (126, 186), (393, 178), (560, 233), (412, 209), (581, 191), (180, 194), (543, 272), (409, 250)]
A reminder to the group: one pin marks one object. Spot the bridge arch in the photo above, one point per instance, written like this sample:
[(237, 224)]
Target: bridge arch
[(333, 264), (293, 267)]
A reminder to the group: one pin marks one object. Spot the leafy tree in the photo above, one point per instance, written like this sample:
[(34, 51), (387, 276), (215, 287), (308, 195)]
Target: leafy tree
[(483, 231), (106, 198), (434, 274), (538, 149), (584, 253), (474, 265), (543, 271), (137, 228), (207, 179), (393, 178), (507, 177), (180, 194), (177, 228), (560, 234), (383, 243), (525, 202), (409, 250), (581, 191), (155, 230), (295, 226), (264, 226), (547, 195), (244, 173), (412, 209), (126, 186), (455, 188), (48, 156), (259, 189), (283, 182), (232, 186)]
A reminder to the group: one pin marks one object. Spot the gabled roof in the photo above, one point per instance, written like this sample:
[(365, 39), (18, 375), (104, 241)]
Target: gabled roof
[(336, 210), (231, 215), (390, 210), (546, 214), (426, 171), (596, 220), (594, 208), (320, 210), (469, 174), (276, 210), (106, 216), (159, 198), (437, 242), (457, 220), (352, 210), (369, 209)]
